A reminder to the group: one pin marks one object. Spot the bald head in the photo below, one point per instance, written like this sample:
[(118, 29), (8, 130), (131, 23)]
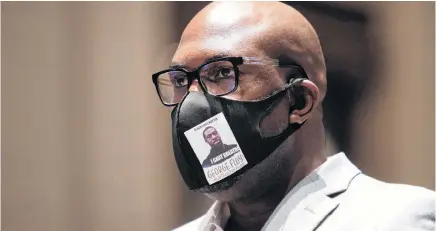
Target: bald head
[(259, 29)]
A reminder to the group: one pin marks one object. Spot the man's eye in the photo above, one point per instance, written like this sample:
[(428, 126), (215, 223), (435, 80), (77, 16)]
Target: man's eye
[(222, 73), (180, 82), (225, 72)]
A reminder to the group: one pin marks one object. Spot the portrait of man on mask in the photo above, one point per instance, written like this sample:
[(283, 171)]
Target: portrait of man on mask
[(219, 151)]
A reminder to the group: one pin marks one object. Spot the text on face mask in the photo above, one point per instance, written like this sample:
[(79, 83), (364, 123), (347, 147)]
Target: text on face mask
[(227, 167)]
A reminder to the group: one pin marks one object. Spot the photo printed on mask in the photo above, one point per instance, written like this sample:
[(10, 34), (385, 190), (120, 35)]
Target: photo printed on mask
[(216, 148)]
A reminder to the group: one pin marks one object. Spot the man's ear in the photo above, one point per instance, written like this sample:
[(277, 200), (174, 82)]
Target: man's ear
[(309, 97)]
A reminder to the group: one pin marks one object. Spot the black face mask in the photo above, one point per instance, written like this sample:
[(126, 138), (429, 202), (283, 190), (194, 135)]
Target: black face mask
[(243, 117)]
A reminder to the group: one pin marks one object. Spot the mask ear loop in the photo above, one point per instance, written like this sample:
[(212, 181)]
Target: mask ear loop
[(289, 87)]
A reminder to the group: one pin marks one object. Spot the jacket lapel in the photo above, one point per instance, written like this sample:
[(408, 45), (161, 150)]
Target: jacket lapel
[(311, 201), (310, 212)]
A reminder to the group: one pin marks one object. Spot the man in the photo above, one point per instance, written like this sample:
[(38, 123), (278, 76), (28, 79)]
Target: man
[(261, 67), (219, 151)]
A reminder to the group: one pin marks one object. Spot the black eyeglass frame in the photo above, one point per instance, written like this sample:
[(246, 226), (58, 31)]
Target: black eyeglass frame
[(236, 61)]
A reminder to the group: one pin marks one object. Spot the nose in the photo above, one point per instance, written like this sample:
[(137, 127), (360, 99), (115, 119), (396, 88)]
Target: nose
[(195, 86)]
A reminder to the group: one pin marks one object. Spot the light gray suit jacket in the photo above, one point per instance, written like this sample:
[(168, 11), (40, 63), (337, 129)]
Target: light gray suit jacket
[(337, 196)]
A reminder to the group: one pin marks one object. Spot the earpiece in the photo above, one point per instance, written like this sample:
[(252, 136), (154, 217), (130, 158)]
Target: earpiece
[(300, 101), (298, 93), (295, 77)]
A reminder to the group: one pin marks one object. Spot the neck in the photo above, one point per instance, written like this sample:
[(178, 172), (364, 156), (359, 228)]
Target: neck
[(251, 214), (219, 145)]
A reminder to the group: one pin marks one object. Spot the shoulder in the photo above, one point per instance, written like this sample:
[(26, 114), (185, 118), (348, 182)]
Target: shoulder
[(389, 194), (394, 206), (409, 206), (190, 226)]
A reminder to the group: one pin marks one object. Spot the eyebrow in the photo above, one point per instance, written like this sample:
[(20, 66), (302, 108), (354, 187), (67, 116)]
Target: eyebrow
[(179, 65)]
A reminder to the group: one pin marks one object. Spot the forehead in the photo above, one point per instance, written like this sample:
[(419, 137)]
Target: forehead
[(211, 37), (195, 52), (209, 131)]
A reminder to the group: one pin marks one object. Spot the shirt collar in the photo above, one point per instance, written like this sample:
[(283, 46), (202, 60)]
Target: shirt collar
[(216, 217)]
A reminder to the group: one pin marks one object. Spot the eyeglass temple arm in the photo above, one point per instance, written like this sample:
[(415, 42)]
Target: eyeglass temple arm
[(260, 61), (273, 62)]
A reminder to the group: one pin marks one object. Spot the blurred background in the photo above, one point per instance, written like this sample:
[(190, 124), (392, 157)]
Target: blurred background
[(86, 141)]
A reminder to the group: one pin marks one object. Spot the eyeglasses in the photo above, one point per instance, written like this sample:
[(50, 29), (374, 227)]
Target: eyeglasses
[(217, 77)]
